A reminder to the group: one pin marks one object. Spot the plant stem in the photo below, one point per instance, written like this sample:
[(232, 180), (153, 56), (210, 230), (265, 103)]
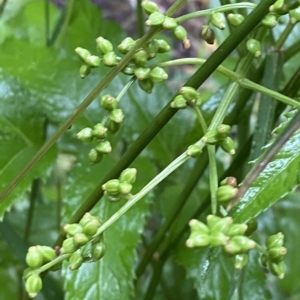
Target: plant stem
[(292, 51), (213, 177), (201, 119), (125, 88), (198, 61), (210, 11), (284, 35), (140, 18), (266, 158), (261, 249), (246, 83), (47, 21)]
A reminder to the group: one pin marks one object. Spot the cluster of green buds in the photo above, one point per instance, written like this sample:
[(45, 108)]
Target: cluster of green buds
[(188, 96), (90, 61), (227, 190), (235, 19), (81, 241), (35, 258), (221, 232), (218, 20), (273, 258), (98, 133), (219, 135), (117, 189), (158, 19)]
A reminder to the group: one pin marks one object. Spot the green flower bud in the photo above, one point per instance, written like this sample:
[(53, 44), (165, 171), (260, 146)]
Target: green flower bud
[(188, 93), (112, 126), (129, 69), (279, 8), (277, 254), (269, 21), (227, 145), (179, 102), (80, 239), (33, 285), (110, 59), (229, 181), (212, 137), (237, 229), (169, 23), (91, 227), (218, 239), (221, 225), (117, 116), (93, 61), (158, 74), (48, 253), (142, 73), (141, 58), (98, 251), (99, 131), (112, 187), (34, 258), (128, 175), (75, 261), (104, 147), (68, 246), (180, 33), (155, 19), (254, 47), (240, 261), (252, 226), (125, 188), (82, 53), (108, 102), (225, 193), (152, 48), (212, 219), (85, 135), (193, 151), (277, 269), (198, 226), (84, 71), (244, 242), (275, 241), (264, 260), (232, 248), (126, 45), (149, 7), (198, 239), (95, 156), (223, 130), (235, 19), (218, 20), (146, 85), (295, 15), (163, 46), (208, 35), (87, 217), (104, 46)]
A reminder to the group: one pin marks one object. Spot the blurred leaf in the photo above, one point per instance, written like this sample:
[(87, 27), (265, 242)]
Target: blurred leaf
[(280, 177), (21, 135)]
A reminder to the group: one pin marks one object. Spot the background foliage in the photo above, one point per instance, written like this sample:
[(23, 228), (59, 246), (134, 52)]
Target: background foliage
[(40, 87)]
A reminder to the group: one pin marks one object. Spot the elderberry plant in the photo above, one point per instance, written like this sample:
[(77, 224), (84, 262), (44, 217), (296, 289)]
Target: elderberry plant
[(235, 193)]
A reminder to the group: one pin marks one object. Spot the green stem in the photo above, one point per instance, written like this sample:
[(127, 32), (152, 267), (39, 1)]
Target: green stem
[(47, 21), (284, 35), (140, 18), (157, 271), (292, 51), (50, 264), (210, 11), (167, 113), (67, 19), (261, 249), (201, 119), (125, 88), (2, 6), (198, 61), (246, 83), (32, 200), (213, 177)]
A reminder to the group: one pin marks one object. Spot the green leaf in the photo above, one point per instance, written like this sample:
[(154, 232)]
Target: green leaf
[(21, 135), (111, 277), (280, 177)]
